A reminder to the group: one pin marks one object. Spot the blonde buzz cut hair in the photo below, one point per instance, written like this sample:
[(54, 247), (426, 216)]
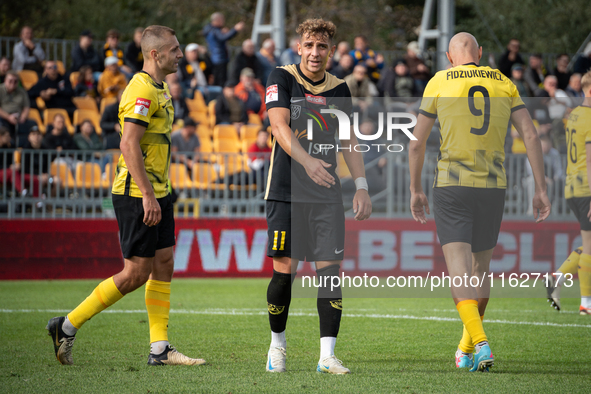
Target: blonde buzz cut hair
[(317, 27), (152, 38), (586, 82)]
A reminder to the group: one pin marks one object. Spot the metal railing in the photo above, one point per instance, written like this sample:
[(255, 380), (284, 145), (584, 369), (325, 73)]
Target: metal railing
[(77, 184)]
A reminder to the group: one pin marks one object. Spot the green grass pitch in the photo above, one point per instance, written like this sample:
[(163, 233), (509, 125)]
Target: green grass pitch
[(390, 345)]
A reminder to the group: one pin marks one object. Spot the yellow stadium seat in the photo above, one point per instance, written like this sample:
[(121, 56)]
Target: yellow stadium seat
[(246, 143), (80, 115), (62, 175), (105, 102), (254, 119), (85, 102), (225, 131), (204, 177), (74, 78), (179, 176), (197, 103), (50, 113), (211, 111), (34, 115), (249, 131), (109, 175), (231, 164), (17, 156), (89, 176), (225, 146), (203, 131), (40, 103), (199, 117), (60, 67), (28, 78)]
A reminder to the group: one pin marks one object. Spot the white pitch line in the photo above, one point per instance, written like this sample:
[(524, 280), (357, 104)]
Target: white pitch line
[(250, 312)]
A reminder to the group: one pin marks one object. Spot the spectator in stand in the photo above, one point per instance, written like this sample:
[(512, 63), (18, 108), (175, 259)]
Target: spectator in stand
[(247, 58), (57, 136), (134, 59), (111, 48), (4, 68), (561, 71), (574, 88), (416, 66), (267, 58), (88, 139), (54, 89), (34, 167), (185, 140), (552, 170), (6, 157), (362, 54), (359, 83), (559, 100), (181, 109), (535, 73), (251, 93), (27, 55), (397, 82), (192, 71), (344, 68), (86, 84), (259, 152), (110, 125), (229, 109), (14, 106), (583, 63), (112, 81), (290, 55), (510, 57), (216, 36), (84, 53), (343, 48), (517, 79)]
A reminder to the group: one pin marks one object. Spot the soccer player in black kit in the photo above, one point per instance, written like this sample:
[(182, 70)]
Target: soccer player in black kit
[(304, 201)]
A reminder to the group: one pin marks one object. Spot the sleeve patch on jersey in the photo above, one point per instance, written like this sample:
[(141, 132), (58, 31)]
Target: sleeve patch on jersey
[(142, 106), (272, 94)]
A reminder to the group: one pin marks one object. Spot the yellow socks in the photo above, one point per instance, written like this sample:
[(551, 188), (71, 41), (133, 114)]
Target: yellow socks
[(470, 316), (103, 296), (158, 306), (466, 345), (585, 275), (571, 264)]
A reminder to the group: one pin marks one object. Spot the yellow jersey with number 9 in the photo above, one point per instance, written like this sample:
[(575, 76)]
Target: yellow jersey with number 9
[(474, 106), (146, 103), (578, 135)]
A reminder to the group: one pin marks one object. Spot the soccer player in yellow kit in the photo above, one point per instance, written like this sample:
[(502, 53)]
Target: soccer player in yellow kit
[(578, 197), (474, 105), (143, 206)]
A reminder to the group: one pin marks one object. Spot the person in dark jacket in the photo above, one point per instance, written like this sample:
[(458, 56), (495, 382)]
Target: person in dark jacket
[(134, 59), (110, 126), (84, 54), (229, 109), (54, 89), (217, 35), (510, 57), (57, 136), (247, 58)]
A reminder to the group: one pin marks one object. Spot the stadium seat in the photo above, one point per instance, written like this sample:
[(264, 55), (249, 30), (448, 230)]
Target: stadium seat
[(85, 102), (89, 176), (34, 115), (206, 146), (50, 113), (204, 177), (179, 176), (231, 164), (40, 103), (199, 117), (62, 174), (17, 157), (80, 115), (224, 145), (254, 119), (211, 112), (246, 143), (28, 78), (60, 67), (197, 103), (204, 131), (74, 78), (109, 175), (249, 131), (225, 131), (105, 102)]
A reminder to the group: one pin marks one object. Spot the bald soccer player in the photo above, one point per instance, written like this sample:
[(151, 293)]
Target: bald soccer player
[(142, 204), (474, 105)]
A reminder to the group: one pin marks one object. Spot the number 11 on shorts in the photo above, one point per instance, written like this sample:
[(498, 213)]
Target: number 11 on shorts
[(276, 238)]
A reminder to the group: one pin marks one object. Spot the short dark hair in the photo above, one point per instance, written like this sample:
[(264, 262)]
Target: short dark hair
[(314, 27), (113, 33)]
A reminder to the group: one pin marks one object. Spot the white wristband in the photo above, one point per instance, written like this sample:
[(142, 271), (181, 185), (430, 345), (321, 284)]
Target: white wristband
[(361, 183)]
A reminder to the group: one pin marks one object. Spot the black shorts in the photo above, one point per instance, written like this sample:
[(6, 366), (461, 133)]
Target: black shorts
[(135, 237), (307, 232), (468, 214), (580, 207)]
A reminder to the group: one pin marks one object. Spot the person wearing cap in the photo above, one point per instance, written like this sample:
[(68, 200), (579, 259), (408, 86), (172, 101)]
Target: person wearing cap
[(133, 52), (185, 140), (84, 53), (27, 55), (251, 93), (517, 79), (194, 72), (112, 81)]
